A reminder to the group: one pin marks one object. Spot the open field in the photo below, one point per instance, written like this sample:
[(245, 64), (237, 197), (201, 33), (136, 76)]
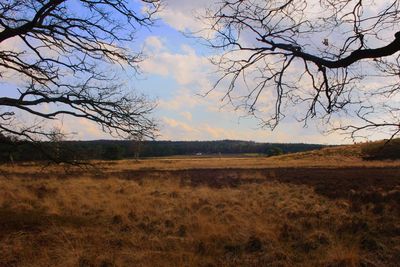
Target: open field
[(322, 208)]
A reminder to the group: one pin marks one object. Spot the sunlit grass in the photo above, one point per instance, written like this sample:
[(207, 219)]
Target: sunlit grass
[(198, 218)]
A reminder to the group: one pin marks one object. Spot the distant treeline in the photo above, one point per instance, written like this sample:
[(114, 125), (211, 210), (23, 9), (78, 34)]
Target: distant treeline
[(111, 149)]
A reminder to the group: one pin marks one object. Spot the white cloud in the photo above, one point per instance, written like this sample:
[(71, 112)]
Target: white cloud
[(183, 100), (178, 124), (154, 44), (187, 115), (186, 67), (173, 129), (218, 132), (181, 15)]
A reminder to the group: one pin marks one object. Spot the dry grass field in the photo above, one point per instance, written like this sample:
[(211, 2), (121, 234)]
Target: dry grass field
[(321, 208)]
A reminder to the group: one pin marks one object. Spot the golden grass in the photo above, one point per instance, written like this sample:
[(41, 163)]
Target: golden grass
[(157, 223), (81, 220)]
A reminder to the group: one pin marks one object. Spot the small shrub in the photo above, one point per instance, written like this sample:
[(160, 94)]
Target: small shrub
[(354, 226), (370, 244), (201, 248), (84, 262), (106, 263), (234, 249), (182, 231), (289, 232), (378, 209), (169, 224), (117, 219), (42, 191), (254, 244), (381, 150)]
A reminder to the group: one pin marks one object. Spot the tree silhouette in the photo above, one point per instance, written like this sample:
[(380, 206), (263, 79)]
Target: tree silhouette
[(63, 53), (324, 59)]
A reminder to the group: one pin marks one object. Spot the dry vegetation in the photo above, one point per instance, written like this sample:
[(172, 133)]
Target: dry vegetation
[(204, 212)]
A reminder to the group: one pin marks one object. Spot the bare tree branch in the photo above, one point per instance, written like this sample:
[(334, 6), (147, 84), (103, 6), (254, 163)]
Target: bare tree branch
[(66, 50), (323, 58)]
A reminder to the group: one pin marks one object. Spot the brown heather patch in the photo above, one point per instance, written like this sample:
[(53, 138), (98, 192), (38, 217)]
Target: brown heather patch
[(166, 213)]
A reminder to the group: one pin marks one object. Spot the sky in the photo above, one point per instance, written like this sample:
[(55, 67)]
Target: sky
[(176, 74)]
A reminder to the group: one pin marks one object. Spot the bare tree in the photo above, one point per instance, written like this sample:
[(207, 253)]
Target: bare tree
[(63, 52), (327, 59), (136, 146)]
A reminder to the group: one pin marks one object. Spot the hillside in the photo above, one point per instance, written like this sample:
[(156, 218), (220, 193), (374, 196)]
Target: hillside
[(374, 151), (381, 150)]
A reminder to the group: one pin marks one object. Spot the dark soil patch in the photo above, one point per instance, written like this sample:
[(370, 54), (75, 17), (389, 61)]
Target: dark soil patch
[(358, 184), (364, 185), (33, 221)]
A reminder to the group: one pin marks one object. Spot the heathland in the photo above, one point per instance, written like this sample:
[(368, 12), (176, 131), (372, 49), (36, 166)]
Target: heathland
[(329, 207)]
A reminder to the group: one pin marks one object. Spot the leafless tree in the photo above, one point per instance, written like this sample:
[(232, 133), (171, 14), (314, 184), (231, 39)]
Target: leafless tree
[(62, 52), (336, 60)]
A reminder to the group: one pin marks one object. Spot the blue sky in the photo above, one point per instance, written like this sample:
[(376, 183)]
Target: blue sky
[(176, 72)]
